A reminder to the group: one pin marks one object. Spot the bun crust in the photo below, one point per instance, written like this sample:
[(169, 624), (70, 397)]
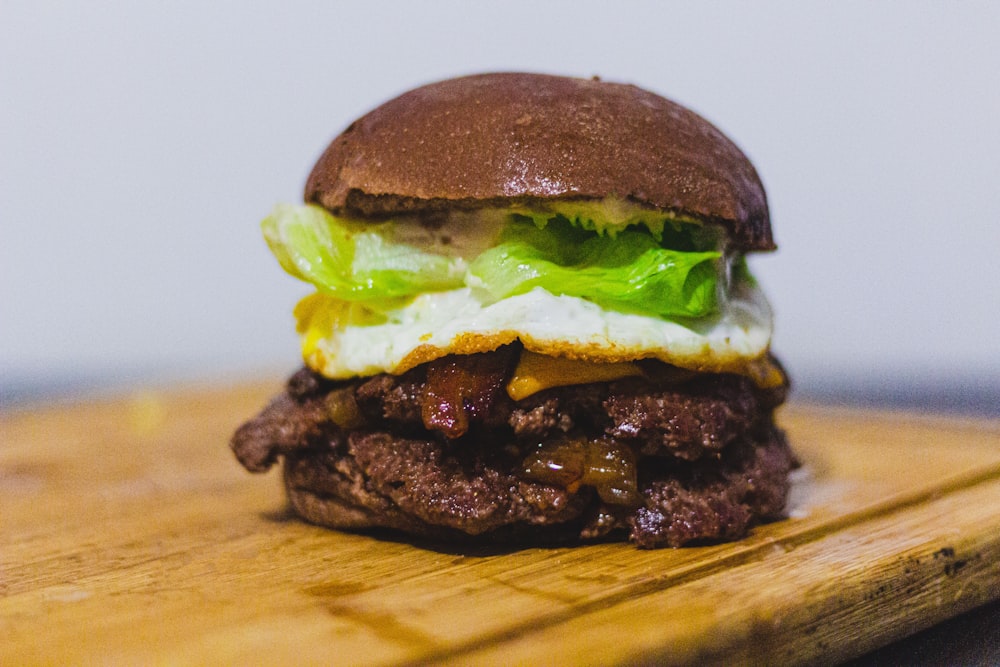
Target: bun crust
[(497, 139)]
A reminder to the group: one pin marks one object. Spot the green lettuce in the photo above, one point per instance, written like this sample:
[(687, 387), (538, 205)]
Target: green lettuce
[(608, 218), (633, 272), (354, 262), (665, 267)]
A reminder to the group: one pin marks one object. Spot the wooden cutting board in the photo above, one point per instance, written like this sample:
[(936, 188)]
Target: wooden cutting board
[(128, 534)]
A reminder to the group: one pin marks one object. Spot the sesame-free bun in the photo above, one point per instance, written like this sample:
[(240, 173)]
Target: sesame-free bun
[(496, 139)]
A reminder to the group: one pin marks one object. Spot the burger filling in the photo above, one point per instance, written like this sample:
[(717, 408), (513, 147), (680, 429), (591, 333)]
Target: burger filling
[(584, 368)]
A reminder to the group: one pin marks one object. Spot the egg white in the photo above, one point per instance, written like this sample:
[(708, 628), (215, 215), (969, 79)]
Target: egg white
[(342, 340)]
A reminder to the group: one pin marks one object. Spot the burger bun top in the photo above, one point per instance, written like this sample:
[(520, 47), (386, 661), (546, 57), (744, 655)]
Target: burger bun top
[(494, 140)]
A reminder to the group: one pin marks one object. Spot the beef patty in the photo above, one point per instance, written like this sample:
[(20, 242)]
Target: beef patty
[(442, 451)]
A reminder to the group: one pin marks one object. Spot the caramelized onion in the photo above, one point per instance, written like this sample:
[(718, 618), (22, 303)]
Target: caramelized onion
[(606, 466), (343, 409)]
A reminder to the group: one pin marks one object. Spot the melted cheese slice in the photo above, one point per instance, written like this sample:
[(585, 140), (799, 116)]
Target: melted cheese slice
[(536, 372), (342, 340)]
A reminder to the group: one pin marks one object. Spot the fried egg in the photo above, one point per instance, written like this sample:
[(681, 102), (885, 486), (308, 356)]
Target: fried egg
[(342, 340)]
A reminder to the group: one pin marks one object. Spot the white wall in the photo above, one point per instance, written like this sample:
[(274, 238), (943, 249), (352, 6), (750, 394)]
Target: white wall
[(140, 143)]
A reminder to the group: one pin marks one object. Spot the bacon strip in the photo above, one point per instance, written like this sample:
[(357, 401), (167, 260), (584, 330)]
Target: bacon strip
[(460, 388)]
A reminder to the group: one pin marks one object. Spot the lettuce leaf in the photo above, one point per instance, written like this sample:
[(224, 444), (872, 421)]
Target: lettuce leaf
[(352, 261), (670, 270), (632, 273), (609, 217)]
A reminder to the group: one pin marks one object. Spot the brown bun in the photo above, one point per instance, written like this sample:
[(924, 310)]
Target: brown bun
[(496, 139)]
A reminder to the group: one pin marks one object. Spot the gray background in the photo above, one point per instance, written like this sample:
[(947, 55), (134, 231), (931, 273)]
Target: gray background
[(141, 143)]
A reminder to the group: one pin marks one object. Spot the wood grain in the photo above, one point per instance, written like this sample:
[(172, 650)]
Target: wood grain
[(129, 534)]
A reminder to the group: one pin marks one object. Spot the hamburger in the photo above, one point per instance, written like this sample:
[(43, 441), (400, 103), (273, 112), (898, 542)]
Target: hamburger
[(532, 322)]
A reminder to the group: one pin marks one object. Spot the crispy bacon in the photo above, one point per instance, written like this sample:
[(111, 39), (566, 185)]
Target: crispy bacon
[(460, 388)]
